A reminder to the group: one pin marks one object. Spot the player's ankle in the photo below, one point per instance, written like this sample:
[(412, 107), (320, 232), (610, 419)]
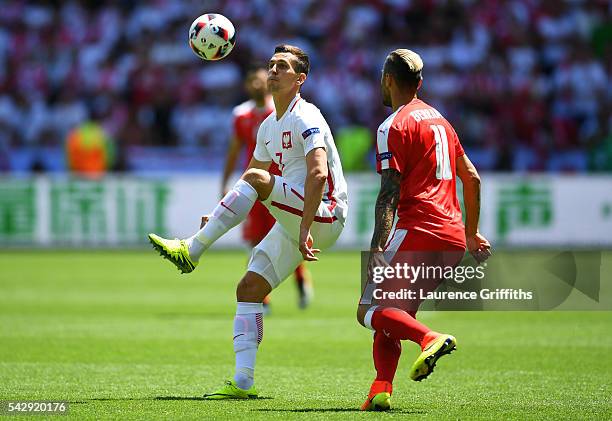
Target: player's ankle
[(244, 378), (380, 386), (428, 337), (195, 248)]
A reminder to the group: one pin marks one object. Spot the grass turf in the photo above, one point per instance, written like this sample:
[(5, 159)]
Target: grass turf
[(122, 335)]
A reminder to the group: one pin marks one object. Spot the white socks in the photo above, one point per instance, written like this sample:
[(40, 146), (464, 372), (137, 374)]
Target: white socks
[(248, 332), (228, 213)]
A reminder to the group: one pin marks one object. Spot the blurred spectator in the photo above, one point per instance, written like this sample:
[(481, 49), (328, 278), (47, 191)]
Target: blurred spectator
[(89, 151), (525, 82)]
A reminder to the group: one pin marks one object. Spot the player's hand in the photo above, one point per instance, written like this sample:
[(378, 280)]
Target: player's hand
[(478, 246), (376, 259), (204, 221), (308, 253)]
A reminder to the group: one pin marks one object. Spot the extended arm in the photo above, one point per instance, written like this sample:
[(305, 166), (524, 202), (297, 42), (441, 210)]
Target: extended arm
[(316, 174), (477, 244)]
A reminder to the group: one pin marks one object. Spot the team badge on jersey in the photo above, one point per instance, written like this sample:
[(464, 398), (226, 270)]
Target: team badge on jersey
[(287, 140)]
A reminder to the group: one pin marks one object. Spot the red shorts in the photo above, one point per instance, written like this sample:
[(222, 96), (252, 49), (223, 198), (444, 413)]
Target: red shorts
[(414, 240), (425, 252), (257, 224)]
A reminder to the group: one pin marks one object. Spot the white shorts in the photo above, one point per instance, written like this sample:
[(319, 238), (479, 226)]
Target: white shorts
[(277, 255)]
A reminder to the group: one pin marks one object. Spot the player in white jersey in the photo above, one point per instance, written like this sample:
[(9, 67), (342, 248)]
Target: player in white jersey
[(309, 202)]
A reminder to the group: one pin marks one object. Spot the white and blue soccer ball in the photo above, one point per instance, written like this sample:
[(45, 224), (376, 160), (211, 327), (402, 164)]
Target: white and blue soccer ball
[(212, 36)]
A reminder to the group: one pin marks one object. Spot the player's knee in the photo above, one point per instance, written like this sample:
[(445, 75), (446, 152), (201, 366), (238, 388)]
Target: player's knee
[(261, 181), (361, 312), (256, 177), (245, 289), (251, 289)]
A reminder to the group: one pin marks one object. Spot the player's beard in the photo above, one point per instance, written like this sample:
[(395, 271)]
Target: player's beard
[(386, 96)]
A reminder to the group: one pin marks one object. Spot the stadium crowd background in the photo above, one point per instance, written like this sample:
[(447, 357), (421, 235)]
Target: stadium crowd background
[(525, 83)]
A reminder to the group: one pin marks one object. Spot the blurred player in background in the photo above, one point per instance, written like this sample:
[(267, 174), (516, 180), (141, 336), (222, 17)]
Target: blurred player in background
[(89, 151), (309, 202), (418, 157), (247, 118)]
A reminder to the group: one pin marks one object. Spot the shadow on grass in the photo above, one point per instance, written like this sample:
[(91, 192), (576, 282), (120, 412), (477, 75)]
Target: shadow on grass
[(200, 398), (162, 398), (392, 411), (148, 398), (112, 400)]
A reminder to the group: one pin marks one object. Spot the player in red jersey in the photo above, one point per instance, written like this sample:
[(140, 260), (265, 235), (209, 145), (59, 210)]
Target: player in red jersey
[(247, 119), (418, 156)]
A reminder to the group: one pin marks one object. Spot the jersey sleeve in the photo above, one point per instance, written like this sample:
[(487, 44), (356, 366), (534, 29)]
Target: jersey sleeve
[(311, 130), (261, 152), (389, 149)]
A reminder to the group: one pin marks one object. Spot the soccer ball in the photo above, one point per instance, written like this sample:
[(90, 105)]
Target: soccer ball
[(212, 36)]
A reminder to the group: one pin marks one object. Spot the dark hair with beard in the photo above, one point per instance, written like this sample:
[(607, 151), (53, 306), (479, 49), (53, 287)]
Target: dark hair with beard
[(301, 63)]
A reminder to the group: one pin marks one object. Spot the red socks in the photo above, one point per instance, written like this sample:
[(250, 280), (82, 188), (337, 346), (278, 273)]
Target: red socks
[(397, 324), (391, 325), (380, 386), (386, 353)]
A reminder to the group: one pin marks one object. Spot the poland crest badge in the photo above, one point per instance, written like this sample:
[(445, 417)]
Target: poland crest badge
[(286, 140)]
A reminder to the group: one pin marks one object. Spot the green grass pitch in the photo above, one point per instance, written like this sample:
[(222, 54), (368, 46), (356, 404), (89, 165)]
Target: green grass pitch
[(122, 335)]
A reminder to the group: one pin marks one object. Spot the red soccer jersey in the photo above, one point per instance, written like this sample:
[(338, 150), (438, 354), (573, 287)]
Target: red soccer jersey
[(419, 143), (247, 119)]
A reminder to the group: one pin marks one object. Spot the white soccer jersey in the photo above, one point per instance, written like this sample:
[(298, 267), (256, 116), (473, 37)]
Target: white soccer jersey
[(287, 142)]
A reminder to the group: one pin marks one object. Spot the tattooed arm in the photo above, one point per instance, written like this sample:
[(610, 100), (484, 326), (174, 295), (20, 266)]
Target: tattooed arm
[(386, 205)]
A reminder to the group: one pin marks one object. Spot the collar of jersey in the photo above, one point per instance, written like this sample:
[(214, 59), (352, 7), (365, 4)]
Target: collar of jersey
[(288, 110)]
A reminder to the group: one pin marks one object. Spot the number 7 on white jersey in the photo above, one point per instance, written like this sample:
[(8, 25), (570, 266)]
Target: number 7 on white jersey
[(443, 167)]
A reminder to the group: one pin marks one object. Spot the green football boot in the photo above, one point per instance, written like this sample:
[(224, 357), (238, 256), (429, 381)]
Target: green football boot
[(175, 251), (425, 363), (379, 402), (231, 391), (379, 398)]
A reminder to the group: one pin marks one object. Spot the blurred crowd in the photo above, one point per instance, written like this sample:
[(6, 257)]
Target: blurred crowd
[(525, 83)]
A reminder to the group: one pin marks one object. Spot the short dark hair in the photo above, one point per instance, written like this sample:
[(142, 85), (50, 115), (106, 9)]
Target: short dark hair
[(301, 64), (402, 70)]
